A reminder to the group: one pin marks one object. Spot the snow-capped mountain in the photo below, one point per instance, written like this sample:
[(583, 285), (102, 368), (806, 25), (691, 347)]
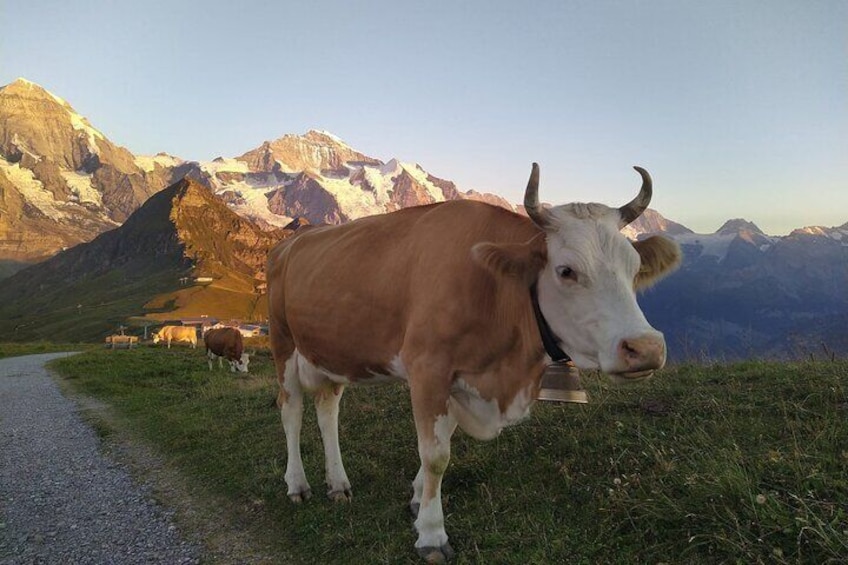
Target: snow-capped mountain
[(319, 177), (839, 233), (62, 181), (741, 293)]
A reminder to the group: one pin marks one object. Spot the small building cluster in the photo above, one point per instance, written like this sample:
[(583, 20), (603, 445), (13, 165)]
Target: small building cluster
[(205, 323)]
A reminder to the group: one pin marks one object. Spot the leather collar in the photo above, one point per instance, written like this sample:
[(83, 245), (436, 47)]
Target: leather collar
[(549, 339)]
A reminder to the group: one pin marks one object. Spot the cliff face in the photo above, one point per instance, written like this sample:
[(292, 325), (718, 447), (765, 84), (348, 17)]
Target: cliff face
[(62, 181)]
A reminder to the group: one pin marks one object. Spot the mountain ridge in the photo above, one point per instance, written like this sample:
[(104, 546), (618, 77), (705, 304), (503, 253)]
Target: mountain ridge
[(148, 269)]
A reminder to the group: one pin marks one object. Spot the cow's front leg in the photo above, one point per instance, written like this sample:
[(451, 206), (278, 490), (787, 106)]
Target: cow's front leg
[(327, 408), (435, 426), (417, 490), (290, 400)]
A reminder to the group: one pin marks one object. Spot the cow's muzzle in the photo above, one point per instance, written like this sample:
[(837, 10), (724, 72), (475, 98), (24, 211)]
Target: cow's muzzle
[(638, 357)]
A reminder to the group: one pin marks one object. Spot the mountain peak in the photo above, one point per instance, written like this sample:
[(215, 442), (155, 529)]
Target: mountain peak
[(323, 135), (23, 87), (737, 225), (316, 150)]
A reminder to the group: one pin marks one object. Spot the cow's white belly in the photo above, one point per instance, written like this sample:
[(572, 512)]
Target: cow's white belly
[(313, 377), (483, 419)]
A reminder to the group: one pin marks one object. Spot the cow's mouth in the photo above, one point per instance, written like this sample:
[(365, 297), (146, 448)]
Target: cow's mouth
[(632, 376)]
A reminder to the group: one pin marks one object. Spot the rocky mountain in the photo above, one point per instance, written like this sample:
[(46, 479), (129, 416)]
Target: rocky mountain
[(741, 293), (183, 253), (319, 177), (652, 222), (62, 181)]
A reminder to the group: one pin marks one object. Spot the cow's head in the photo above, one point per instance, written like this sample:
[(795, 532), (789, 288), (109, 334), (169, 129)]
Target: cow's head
[(240, 364), (156, 337), (587, 274)]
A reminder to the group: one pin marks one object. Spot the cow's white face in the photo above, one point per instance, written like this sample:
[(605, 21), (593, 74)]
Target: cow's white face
[(241, 364), (587, 285), (156, 338), (587, 293)]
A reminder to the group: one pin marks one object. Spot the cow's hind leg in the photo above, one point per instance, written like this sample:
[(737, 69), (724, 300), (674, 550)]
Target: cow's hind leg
[(290, 401), (327, 408)]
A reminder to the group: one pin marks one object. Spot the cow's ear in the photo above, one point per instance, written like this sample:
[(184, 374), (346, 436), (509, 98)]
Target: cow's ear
[(521, 261), (660, 256)]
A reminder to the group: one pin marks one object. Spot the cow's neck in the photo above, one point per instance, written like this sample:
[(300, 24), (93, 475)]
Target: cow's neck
[(549, 339)]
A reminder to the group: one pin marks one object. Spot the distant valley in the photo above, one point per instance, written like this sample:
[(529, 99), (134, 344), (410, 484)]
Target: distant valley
[(106, 237)]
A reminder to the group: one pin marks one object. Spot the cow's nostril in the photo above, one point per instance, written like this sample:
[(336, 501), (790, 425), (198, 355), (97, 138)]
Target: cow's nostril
[(641, 353)]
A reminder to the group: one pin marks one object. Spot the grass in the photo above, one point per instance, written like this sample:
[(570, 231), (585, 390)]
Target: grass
[(704, 464), (11, 349)]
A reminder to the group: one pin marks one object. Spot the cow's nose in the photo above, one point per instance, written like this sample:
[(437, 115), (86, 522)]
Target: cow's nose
[(642, 353)]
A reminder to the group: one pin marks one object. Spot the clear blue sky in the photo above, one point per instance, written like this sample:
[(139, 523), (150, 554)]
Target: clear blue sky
[(737, 108)]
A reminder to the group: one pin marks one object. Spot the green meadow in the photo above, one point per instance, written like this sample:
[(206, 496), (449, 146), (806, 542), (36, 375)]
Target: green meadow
[(740, 463)]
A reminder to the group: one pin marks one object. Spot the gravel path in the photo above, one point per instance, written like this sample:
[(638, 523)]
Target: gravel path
[(61, 500)]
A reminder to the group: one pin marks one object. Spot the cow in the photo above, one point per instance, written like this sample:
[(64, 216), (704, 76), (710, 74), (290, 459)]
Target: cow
[(168, 334), (226, 343), (444, 297)]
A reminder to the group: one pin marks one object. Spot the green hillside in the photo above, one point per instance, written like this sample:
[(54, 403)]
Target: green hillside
[(143, 272)]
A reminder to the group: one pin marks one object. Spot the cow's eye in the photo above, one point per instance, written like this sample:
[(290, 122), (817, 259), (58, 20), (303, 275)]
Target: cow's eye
[(566, 273)]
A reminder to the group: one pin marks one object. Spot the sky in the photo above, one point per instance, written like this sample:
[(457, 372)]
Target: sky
[(738, 109)]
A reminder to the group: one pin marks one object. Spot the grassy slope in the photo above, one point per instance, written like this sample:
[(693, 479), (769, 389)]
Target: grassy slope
[(744, 463), (105, 302), (109, 300), (8, 349)]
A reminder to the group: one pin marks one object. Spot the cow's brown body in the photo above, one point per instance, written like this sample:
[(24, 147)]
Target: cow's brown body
[(438, 296), (224, 343)]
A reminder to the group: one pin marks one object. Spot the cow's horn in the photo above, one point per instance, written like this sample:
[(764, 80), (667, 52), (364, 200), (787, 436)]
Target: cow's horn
[(635, 207), (540, 216)]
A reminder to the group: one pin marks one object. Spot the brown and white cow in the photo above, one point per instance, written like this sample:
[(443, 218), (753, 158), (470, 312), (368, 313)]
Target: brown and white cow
[(226, 343), (440, 296), (178, 334)]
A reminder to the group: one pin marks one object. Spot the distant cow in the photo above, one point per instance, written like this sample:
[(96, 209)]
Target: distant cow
[(226, 343), (168, 334), (466, 302)]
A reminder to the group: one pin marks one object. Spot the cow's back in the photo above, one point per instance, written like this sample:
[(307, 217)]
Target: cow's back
[(349, 296), (224, 342)]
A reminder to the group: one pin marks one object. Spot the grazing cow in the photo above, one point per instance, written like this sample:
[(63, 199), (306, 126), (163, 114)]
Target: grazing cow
[(443, 297), (226, 343), (168, 334)]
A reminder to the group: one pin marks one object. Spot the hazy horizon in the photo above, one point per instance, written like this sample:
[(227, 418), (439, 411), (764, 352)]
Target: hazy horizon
[(737, 109)]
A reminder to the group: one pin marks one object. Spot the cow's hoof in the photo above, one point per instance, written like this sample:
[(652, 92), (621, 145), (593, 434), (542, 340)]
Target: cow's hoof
[(436, 554), (414, 507), (302, 496), (345, 495)]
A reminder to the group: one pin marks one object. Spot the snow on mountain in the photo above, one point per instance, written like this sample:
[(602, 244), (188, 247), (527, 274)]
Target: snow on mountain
[(652, 222), (838, 233), (320, 177), (148, 164), (31, 189), (82, 190)]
